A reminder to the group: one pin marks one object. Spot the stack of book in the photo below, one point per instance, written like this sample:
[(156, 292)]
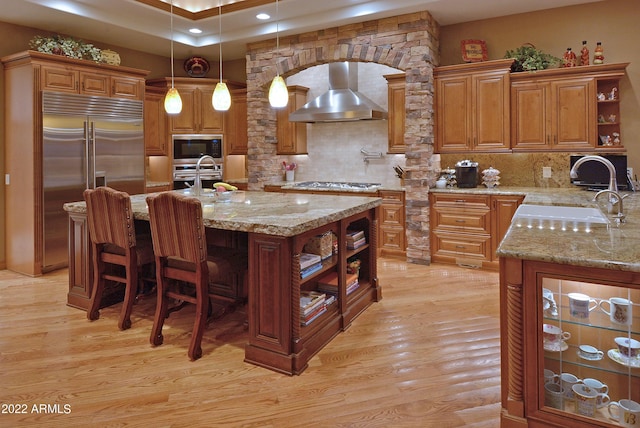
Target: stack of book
[(355, 239), (329, 283), (312, 305), (309, 264)]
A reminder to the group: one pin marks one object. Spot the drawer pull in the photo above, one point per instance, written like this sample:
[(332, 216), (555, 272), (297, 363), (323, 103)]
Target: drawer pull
[(461, 246), (460, 221), (460, 201)]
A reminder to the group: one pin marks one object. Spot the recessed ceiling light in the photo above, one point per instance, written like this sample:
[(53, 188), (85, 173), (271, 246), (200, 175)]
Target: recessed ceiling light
[(263, 16), (195, 30)]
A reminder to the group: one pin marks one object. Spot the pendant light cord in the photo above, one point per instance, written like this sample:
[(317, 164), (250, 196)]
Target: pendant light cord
[(277, 38), (220, 36), (171, 43)]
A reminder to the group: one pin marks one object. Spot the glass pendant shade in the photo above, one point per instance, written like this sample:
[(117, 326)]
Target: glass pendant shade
[(278, 93), (173, 102), (221, 99)]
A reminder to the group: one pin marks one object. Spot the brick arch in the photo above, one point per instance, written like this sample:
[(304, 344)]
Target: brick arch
[(405, 42)]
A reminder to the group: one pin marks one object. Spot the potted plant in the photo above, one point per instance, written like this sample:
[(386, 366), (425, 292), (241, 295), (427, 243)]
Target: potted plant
[(528, 58)]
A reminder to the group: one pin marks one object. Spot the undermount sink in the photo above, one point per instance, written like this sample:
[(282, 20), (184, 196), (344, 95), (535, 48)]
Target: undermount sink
[(554, 212)]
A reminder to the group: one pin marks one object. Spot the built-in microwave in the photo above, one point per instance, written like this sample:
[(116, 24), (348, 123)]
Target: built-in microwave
[(194, 146)]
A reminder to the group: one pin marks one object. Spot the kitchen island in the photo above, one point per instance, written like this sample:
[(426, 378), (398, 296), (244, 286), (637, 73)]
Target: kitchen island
[(276, 227), (551, 259)]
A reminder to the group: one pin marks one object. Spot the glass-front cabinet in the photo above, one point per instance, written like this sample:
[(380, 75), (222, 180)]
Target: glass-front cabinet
[(589, 364), (571, 345)]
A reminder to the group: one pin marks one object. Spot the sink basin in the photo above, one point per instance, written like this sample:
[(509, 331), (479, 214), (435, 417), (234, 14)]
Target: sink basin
[(561, 213)]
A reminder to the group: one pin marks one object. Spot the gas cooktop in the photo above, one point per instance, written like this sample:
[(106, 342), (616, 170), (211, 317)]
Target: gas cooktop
[(337, 185)]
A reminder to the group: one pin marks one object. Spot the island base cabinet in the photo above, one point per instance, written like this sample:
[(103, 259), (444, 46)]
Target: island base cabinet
[(561, 326)]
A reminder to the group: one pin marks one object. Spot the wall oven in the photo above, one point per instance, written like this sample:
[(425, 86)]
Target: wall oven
[(187, 149)]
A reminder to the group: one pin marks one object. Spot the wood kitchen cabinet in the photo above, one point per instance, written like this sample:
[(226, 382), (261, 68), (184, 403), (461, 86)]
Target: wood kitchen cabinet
[(527, 357), (198, 115), (392, 223), (292, 136), (235, 127), (558, 109), (473, 107), (467, 228), (396, 112), (70, 77), (26, 75), (156, 137)]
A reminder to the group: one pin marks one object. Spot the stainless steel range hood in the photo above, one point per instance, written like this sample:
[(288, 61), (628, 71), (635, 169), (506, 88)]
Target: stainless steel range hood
[(342, 102)]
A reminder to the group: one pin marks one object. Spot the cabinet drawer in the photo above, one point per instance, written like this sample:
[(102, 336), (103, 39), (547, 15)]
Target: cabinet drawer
[(461, 201), (468, 220), (456, 244), (392, 238), (392, 215), (391, 197)]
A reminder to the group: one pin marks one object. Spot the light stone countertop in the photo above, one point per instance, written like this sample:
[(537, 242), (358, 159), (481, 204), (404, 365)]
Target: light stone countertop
[(602, 246), (271, 213)]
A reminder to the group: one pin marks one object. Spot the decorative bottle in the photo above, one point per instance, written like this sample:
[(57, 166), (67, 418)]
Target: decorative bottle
[(584, 54), (598, 55), (569, 58)]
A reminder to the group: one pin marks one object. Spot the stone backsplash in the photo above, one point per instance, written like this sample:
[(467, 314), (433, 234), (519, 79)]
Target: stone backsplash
[(519, 169)]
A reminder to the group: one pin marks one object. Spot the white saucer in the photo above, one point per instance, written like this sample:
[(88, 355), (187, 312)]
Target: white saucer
[(556, 347), (615, 355), (596, 358)]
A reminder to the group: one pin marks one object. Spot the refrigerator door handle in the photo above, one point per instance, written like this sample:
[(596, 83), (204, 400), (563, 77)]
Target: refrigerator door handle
[(87, 156), (92, 141)]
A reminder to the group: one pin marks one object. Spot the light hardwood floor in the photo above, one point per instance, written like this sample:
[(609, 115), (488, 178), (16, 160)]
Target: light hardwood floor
[(427, 355)]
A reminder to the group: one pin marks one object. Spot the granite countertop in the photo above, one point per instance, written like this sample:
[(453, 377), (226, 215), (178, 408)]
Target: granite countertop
[(271, 213), (602, 246), (289, 185)]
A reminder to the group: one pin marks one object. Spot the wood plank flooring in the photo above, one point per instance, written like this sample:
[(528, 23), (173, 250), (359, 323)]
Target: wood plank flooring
[(427, 355)]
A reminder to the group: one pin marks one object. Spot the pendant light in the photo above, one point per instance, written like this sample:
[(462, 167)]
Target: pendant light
[(172, 101), (221, 98), (278, 93)]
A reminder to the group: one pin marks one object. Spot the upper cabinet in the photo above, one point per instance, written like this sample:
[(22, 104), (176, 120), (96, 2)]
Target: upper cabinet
[(482, 107), (559, 109), (235, 127), (551, 115), (472, 107), (198, 115), (156, 138), (292, 136), (396, 108)]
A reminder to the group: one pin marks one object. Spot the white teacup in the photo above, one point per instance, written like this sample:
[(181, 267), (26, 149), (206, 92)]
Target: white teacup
[(601, 388), (549, 305), (626, 412), (586, 400), (629, 348), (568, 380), (554, 395), (589, 352), (580, 305), (620, 310), (554, 334), (550, 377)]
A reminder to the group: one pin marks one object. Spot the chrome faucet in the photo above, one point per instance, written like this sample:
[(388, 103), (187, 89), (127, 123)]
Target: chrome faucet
[(197, 184), (613, 184), (614, 196)]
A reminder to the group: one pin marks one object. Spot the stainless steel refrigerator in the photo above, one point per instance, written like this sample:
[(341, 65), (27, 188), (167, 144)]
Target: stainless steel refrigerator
[(88, 141)]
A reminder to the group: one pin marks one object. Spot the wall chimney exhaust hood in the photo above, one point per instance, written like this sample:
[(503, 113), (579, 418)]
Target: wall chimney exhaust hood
[(342, 102)]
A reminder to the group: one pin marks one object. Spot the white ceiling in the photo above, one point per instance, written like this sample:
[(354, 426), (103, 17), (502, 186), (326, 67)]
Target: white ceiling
[(145, 25)]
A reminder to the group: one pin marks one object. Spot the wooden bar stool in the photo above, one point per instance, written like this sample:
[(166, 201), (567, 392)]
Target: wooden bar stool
[(184, 269), (117, 254)]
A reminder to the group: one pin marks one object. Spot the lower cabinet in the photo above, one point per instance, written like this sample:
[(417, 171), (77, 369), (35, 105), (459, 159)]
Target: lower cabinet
[(392, 224), (565, 356), (467, 228)]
